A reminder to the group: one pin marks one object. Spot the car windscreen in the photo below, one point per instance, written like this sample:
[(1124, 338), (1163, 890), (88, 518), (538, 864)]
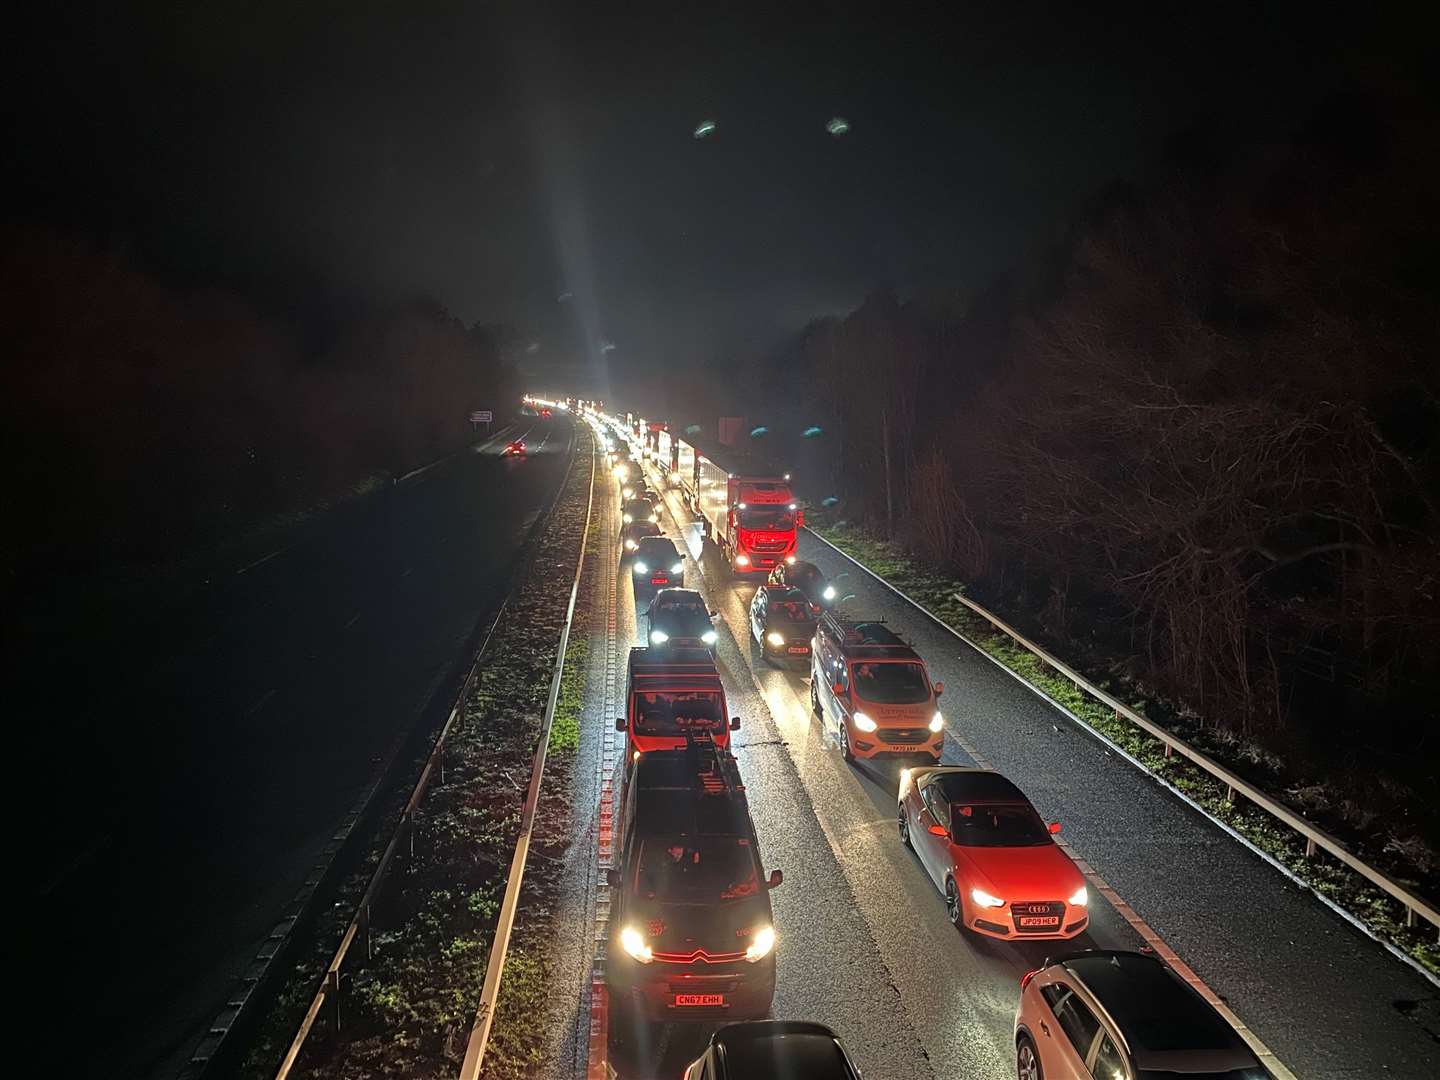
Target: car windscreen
[(696, 869), (1232, 1074), (891, 683), (678, 712), (789, 610), (981, 825), (766, 517), (659, 550), (679, 605)]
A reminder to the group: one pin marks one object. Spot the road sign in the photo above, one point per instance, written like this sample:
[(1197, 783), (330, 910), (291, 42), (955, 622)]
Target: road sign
[(481, 416)]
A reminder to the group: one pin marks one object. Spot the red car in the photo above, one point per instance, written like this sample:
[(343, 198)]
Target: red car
[(514, 449), (991, 855)]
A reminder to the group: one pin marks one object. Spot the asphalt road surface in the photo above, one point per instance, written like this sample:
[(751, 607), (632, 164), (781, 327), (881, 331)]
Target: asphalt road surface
[(204, 752), (864, 942)]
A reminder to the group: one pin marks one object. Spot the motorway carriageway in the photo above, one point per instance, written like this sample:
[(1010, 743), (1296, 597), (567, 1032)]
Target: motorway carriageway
[(864, 943), (211, 745)]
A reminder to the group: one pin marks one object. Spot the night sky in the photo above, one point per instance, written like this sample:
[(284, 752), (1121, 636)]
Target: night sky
[(534, 165)]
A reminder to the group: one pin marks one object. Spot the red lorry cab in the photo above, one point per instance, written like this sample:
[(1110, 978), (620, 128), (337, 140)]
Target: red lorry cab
[(749, 509), (673, 698)]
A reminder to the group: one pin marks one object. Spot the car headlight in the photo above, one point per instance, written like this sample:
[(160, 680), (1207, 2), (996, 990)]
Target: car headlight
[(742, 560), (789, 560), (678, 568), (775, 639), (631, 545), (984, 899), (709, 637), (761, 944), (863, 722), (937, 723), (641, 568), (829, 593), (628, 492), (622, 473), (654, 519), (626, 518), (634, 944), (658, 637), (1081, 897)]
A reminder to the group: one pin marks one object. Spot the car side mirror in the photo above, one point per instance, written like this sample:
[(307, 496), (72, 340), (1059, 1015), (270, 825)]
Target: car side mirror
[(620, 723), (734, 723), (612, 878), (936, 829), (1054, 828), (939, 688), (838, 689), (714, 616), (776, 877)]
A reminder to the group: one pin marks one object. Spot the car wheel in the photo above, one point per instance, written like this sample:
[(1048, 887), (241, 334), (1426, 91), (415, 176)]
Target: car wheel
[(953, 905), (1027, 1061), (845, 750), (815, 697), (905, 828)]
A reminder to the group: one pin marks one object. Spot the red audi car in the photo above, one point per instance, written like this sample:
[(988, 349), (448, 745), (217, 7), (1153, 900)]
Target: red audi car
[(991, 855)]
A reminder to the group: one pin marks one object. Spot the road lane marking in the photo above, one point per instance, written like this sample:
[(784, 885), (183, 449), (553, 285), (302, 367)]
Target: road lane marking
[(260, 561), (353, 620)]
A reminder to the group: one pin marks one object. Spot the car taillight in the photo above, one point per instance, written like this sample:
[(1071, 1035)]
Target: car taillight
[(1025, 979)]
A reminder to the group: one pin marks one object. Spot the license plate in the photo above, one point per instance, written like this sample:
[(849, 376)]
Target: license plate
[(699, 1000), (1039, 920), (905, 749), (802, 649), (658, 580)]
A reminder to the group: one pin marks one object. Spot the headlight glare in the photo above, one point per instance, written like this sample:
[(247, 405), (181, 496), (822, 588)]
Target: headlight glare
[(761, 944), (1081, 897), (641, 568), (863, 722), (984, 899), (626, 518), (634, 944), (937, 723), (631, 545), (709, 637), (775, 639), (742, 560), (829, 593), (678, 568), (658, 637)]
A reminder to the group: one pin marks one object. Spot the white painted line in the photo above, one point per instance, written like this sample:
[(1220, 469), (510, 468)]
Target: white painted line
[(263, 700), (353, 620), (260, 561)]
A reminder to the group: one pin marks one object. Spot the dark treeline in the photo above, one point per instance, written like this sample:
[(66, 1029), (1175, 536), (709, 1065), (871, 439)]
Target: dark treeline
[(141, 420), (1201, 434)]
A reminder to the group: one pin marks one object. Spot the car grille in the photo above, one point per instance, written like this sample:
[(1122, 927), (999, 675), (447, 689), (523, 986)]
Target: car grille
[(768, 545), (1054, 909), (903, 736)]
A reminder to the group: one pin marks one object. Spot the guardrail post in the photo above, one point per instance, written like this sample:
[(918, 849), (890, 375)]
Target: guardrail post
[(409, 826), (1229, 794), (1310, 848), (335, 990), (365, 922)]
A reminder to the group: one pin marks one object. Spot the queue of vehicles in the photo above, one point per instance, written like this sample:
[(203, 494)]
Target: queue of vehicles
[(694, 936)]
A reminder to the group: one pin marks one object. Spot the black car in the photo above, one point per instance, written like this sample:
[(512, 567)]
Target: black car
[(806, 577), (679, 618), (693, 936), (636, 488), (633, 510), (782, 622), (657, 563), (794, 1049), (632, 534)]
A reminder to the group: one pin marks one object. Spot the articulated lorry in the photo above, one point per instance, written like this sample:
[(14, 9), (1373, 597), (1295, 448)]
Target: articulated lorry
[(748, 508)]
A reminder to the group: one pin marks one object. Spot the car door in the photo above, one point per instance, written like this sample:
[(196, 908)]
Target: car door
[(1065, 1046), (1107, 1061), (934, 850)]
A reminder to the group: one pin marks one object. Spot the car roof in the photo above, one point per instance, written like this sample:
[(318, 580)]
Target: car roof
[(644, 661), (979, 785), (1162, 1019), (789, 1048)]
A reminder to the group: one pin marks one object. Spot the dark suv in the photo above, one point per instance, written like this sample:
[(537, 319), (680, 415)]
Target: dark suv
[(794, 1049), (806, 577), (692, 936)]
